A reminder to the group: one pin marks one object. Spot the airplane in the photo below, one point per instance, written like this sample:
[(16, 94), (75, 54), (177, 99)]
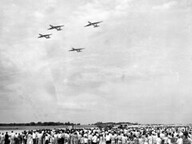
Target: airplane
[(94, 24), (58, 27), (47, 36), (76, 49)]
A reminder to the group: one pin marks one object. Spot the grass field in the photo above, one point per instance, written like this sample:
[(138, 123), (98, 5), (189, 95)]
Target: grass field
[(21, 128)]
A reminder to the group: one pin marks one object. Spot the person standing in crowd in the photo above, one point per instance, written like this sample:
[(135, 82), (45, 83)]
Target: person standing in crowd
[(39, 137), (43, 138), (20, 138), (140, 139), (67, 138), (124, 139), (82, 139), (165, 138), (116, 138), (89, 137), (51, 139), (108, 138), (173, 139), (34, 135), (24, 139), (12, 137), (16, 140), (186, 140), (75, 138), (158, 139), (150, 138), (179, 140), (94, 139), (85, 139), (7, 141), (46, 138), (102, 138), (119, 138), (2, 138), (146, 139), (112, 138), (29, 138), (135, 139)]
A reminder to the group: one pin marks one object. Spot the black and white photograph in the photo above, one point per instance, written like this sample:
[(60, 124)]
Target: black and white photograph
[(95, 71)]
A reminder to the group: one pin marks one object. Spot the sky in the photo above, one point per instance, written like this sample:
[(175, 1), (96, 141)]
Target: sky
[(135, 67)]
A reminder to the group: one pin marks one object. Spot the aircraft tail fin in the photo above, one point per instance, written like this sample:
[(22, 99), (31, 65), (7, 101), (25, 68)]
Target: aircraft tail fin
[(51, 25), (89, 22), (40, 35)]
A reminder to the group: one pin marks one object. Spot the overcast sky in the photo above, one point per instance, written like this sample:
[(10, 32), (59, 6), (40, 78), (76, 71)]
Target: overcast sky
[(135, 67)]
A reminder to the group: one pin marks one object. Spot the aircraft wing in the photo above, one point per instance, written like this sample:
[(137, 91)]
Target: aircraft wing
[(97, 22), (59, 26), (88, 25)]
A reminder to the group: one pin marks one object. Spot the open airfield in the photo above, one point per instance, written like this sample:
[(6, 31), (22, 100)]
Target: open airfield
[(26, 128), (9, 128), (4, 128)]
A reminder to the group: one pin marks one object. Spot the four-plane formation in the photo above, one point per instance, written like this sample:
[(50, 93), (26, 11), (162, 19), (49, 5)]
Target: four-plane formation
[(59, 28)]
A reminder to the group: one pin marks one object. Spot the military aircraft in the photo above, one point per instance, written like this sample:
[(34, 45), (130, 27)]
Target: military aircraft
[(47, 36), (58, 27), (94, 24), (76, 49)]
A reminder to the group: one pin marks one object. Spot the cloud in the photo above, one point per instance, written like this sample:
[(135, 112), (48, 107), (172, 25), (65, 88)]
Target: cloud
[(165, 6)]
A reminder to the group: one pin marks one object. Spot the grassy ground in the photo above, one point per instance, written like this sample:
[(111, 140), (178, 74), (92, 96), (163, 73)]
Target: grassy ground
[(41, 127)]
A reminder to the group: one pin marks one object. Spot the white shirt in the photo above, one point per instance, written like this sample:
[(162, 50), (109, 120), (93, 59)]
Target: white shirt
[(124, 139), (85, 140), (94, 139), (180, 141), (158, 140), (34, 135), (108, 138), (150, 139)]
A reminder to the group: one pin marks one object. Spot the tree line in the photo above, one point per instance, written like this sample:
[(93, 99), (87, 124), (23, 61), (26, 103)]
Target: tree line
[(39, 124)]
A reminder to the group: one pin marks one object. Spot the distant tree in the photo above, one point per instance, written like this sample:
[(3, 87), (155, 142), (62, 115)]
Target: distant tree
[(32, 124), (39, 123)]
